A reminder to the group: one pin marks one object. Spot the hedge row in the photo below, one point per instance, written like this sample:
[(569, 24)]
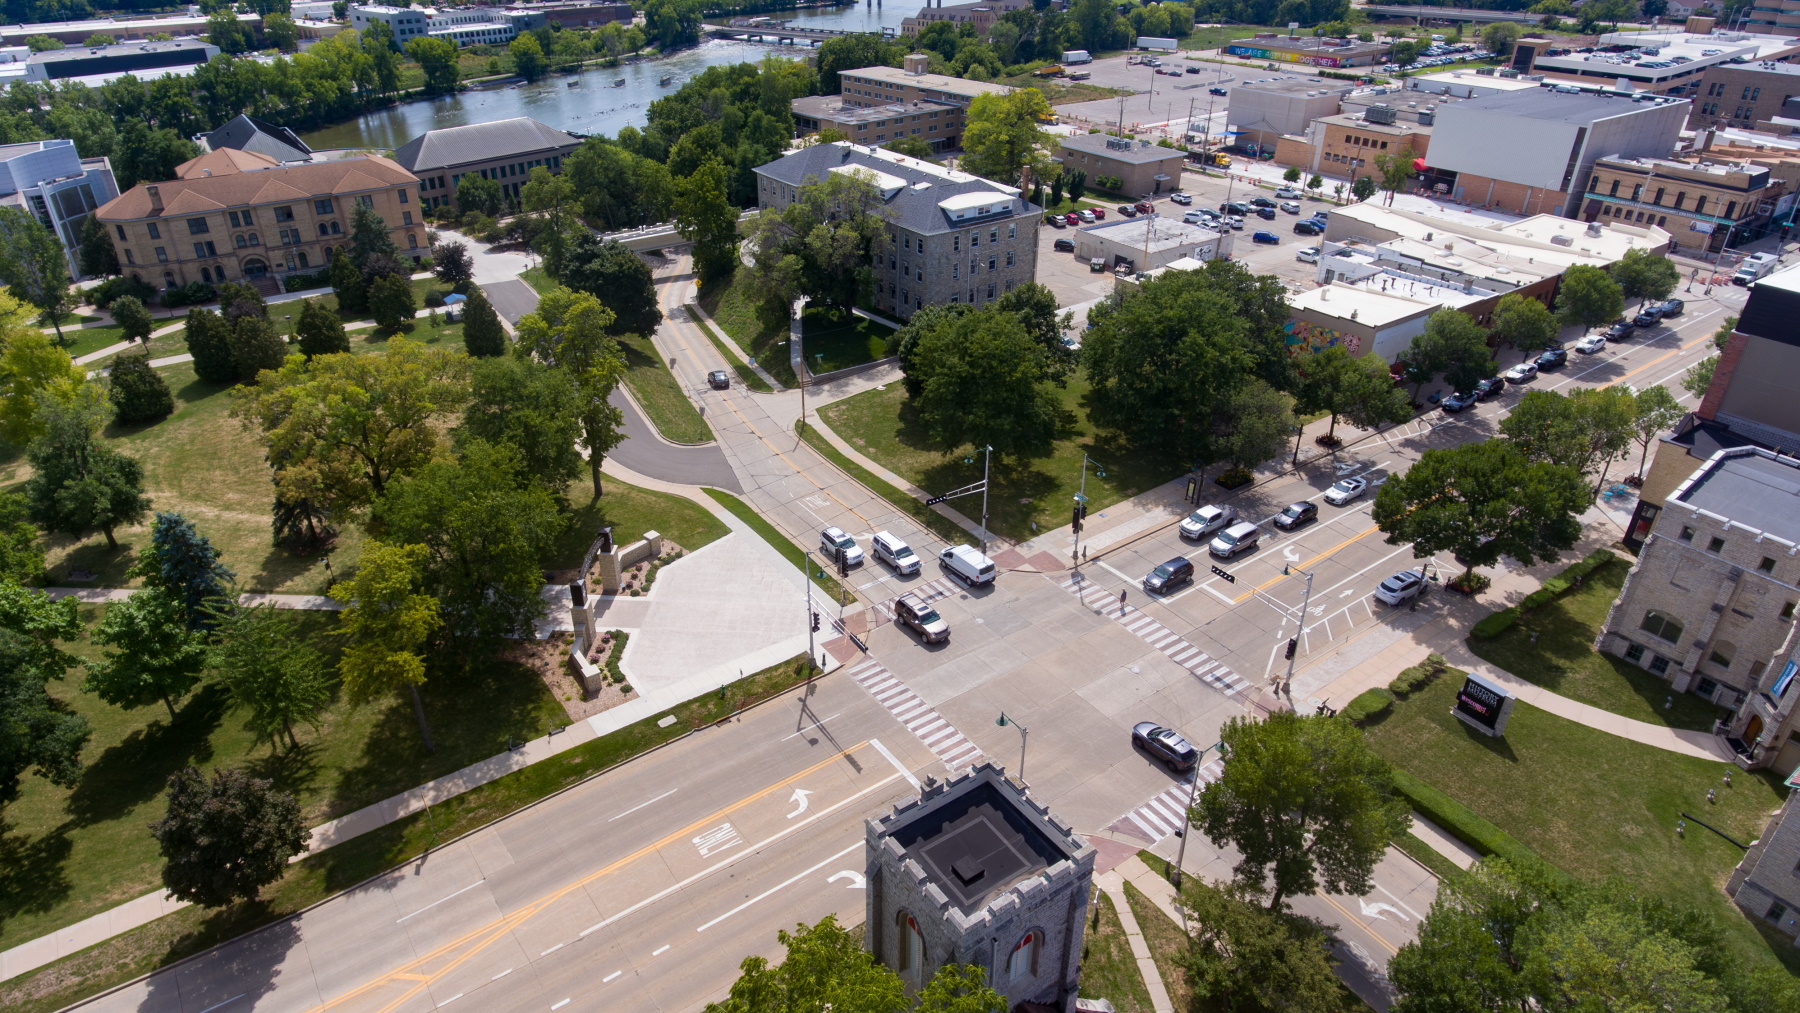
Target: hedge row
[(1554, 588), (1460, 822), (1369, 705)]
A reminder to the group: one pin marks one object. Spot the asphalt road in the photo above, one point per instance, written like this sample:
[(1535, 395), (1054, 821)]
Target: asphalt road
[(647, 453)]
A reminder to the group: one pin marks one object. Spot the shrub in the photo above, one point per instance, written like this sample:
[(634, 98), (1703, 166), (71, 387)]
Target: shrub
[(1368, 705), (193, 293), (1231, 478), (1554, 588), (137, 393), (302, 282), (434, 299), (1419, 676), (103, 294), (1463, 824), (1495, 624), (613, 671)]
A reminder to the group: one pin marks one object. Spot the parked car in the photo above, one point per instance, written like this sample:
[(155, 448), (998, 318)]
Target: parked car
[(1236, 222), (1521, 373), (1056, 220), (1086, 215), (1166, 745), (1308, 255), (1266, 214), (1290, 207), (1401, 587), (1297, 514), (1063, 244), (1287, 192), (1260, 202), (1144, 207), (1346, 490), (1238, 538), (1649, 316), (719, 379), (1489, 387), (1215, 91), (832, 541), (1591, 344), (1236, 207), (1206, 520), (1100, 213), (891, 550), (1072, 218), (1181, 198), (1169, 575), (1196, 218), (967, 565), (1128, 211), (1308, 228), (1620, 330), (1193, 70), (912, 612), (1266, 237), (1552, 359), (1673, 308), (1453, 403)]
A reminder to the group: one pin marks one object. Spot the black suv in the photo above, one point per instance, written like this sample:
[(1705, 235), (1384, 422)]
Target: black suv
[(1489, 387), (1169, 576)]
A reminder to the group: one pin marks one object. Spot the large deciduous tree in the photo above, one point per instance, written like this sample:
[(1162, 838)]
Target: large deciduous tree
[(137, 393), (1643, 275), (1005, 135), (1256, 424), (983, 381), (135, 322), (1590, 426), (1361, 391), (531, 407), (153, 655), (570, 330), (225, 839), (208, 338), (1656, 412), (822, 244), (386, 627), (1304, 803), (437, 58), (618, 277), (319, 330), (33, 268), (261, 655), (34, 373), (854, 52), (78, 484), (705, 216), (828, 968), (21, 554), (1524, 323), (1453, 345), (1588, 297), (36, 732), (451, 263), (1482, 501), (391, 303), (1250, 958)]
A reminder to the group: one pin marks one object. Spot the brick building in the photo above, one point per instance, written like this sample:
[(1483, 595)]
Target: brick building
[(502, 150), (1141, 167), (1346, 145), (982, 15), (940, 101), (938, 124), (975, 872), (1309, 51), (1701, 205), (234, 215), (1263, 111), (954, 238), (1743, 95)]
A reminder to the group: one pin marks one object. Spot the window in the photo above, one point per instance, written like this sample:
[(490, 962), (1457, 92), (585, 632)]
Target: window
[(155, 233), (284, 213), (129, 259), (1787, 611), (993, 262), (412, 241), (197, 226), (1680, 195), (1661, 626), (402, 193), (1767, 565), (1700, 204), (990, 294), (1614, 192), (1730, 210), (241, 241), (233, 215), (324, 229), (1635, 654), (121, 230), (1706, 688), (406, 217), (1659, 196), (1009, 258), (1658, 665), (303, 258), (1022, 962), (162, 255), (206, 275), (1687, 533), (1721, 654), (974, 239), (955, 243), (1012, 232), (994, 235), (365, 201), (1756, 670), (1777, 911), (199, 249), (954, 268), (323, 207), (1716, 544)]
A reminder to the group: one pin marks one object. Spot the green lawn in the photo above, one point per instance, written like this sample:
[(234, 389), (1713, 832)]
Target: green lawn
[(834, 340), (1563, 659), (912, 506), (630, 511), (1168, 943), (1213, 38), (1595, 805), (658, 393), (281, 313), (91, 339), (749, 377), (191, 930), (735, 307), (1108, 970), (880, 424)]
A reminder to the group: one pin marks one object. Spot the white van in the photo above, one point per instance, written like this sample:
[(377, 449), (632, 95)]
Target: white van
[(1754, 266), (967, 565), (895, 553)]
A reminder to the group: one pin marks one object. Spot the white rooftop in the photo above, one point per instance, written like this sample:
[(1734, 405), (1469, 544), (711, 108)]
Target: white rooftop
[(939, 82), (1152, 233), (889, 185), (1365, 304), (1654, 56)]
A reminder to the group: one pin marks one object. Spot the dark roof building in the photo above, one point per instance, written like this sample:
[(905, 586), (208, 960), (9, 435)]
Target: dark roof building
[(503, 150), (90, 61), (247, 133)]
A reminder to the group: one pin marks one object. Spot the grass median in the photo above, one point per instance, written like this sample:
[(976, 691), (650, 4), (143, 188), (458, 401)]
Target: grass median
[(659, 394), (793, 553), (191, 930), (912, 506), (1108, 970), (750, 377)]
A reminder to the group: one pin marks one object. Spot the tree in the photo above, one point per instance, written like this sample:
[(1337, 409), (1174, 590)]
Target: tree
[(1316, 182), (155, 655), (827, 968), (1076, 185), (391, 303), (437, 58), (1395, 169), (1004, 135), (148, 154), (1256, 425), (854, 52), (345, 426), (224, 30), (1255, 959), (983, 381), (610, 272), (1653, 9), (1643, 275), (1700, 376), (280, 31), (822, 244), (96, 251), (1454, 345), (34, 372), (36, 731), (1362, 187), (236, 302), (347, 282), (42, 43), (225, 839), (528, 57), (569, 330), (1657, 413), (1292, 175), (1360, 390), (705, 216), (478, 193), (1166, 362), (482, 333), (1588, 297), (1482, 501), (1469, 949), (531, 407), (921, 149), (550, 198), (21, 555), (79, 485), (137, 393), (255, 348), (382, 59), (960, 988), (450, 262), (319, 330), (1589, 426), (1523, 322), (385, 626), (1304, 802), (135, 322), (262, 657), (372, 249), (1610, 10), (1034, 306), (208, 338), (33, 268), (1500, 37), (184, 563)]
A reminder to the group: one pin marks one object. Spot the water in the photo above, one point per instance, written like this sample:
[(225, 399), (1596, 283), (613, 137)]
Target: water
[(593, 106)]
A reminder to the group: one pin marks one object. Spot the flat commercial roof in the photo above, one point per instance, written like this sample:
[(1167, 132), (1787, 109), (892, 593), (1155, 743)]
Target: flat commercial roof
[(1750, 487), (1159, 232), (1363, 304), (833, 107), (1135, 152), (1296, 85), (1552, 106), (936, 82), (977, 845), (1492, 82)]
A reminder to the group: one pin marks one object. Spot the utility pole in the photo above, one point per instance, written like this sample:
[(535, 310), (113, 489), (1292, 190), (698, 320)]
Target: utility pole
[(985, 462), (1081, 501), (1287, 684), (1193, 794)]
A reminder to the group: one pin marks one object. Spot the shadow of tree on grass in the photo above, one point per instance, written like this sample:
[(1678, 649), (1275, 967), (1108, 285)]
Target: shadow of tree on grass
[(137, 769)]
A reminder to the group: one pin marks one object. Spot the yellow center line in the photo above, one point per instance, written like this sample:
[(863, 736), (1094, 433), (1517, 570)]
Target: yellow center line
[(500, 927), (1271, 582), (1692, 344), (1370, 929)]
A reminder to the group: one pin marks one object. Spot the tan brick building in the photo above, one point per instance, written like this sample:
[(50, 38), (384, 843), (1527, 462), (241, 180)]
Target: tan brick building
[(938, 101), (1143, 168), (1702, 205), (1346, 145), (982, 15), (234, 215), (1743, 95)]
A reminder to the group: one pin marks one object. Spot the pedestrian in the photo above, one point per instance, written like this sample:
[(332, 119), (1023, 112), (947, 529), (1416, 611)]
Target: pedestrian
[(1121, 601)]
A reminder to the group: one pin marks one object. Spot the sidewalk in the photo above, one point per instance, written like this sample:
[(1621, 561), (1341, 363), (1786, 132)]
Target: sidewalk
[(1112, 883)]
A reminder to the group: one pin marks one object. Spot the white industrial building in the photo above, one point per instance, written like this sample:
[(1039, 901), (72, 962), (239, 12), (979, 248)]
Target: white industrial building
[(463, 26), (1148, 243)]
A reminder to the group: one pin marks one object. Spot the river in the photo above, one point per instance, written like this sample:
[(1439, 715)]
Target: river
[(593, 105)]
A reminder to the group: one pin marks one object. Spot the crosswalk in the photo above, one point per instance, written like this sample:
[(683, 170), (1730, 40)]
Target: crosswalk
[(930, 591), (907, 708), (1165, 813), (1201, 665)]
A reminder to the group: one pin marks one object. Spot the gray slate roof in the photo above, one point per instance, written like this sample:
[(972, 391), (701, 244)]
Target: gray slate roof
[(912, 209), (247, 133), (481, 142)]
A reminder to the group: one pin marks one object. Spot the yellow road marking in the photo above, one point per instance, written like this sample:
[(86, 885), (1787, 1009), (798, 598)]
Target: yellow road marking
[(1370, 929), (499, 927), (1303, 565)]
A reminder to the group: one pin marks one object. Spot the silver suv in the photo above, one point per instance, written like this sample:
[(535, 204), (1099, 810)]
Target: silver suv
[(833, 541), (912, 612), (1240, 537)]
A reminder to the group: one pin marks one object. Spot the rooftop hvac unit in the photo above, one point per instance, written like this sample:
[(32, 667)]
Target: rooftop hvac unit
[(1561, 240), (1379, 113), (1119, 143)]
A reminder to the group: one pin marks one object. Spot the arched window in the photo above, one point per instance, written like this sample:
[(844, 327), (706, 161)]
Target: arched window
[(912, 947), (1659, 624), (254, 241), (1721, 654), (1023, 961), (241, 241)]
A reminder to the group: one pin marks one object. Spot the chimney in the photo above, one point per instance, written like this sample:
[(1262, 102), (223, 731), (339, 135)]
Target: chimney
[(915, 63), (155, 193)]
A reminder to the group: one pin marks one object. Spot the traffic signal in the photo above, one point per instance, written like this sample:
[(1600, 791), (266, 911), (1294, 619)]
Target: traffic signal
[(843, 563), (815, 624), (1293, 645), (1075, 524)]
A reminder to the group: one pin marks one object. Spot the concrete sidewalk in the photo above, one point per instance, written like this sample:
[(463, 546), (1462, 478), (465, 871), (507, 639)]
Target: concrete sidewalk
[(1112, 883)]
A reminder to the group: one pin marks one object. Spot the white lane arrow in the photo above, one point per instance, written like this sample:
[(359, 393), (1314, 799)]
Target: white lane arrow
[(799, 797), (1291, 554), (1374, 910), (856, 879)]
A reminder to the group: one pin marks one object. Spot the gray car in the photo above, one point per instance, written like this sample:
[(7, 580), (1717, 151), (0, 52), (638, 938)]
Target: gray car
[(1166, 745)]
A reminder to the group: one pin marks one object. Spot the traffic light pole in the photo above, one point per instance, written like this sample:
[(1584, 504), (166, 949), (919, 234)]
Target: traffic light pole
[(1287, 684)]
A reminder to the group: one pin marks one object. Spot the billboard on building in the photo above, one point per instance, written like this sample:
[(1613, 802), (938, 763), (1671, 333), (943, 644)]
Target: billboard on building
[(1259, 53)]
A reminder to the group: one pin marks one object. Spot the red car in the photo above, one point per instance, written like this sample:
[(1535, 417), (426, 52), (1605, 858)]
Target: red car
[(1099, 213), (1144, 207), (1072, 218)]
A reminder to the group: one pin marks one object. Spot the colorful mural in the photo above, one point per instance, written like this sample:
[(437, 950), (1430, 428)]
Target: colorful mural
[(1258, 53), (1306, 338)]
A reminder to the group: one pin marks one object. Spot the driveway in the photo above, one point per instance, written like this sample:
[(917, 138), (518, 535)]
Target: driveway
[(512, 298), (647, 453)]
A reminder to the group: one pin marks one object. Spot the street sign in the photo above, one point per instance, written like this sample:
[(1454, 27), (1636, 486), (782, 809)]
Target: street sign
[(1228, 577)]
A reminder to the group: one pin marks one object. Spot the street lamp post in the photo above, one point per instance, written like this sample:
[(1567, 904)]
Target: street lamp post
[(1287, 684), (1081, 501), (1024, 734), (1193, 794)]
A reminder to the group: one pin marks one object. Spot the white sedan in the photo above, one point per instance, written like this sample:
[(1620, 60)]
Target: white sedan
[(1590, 344), (1346, 490)]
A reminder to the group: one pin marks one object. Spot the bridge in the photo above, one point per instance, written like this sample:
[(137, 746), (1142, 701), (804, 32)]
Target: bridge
[(1423, 14), (661, 236), (781, 33)]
